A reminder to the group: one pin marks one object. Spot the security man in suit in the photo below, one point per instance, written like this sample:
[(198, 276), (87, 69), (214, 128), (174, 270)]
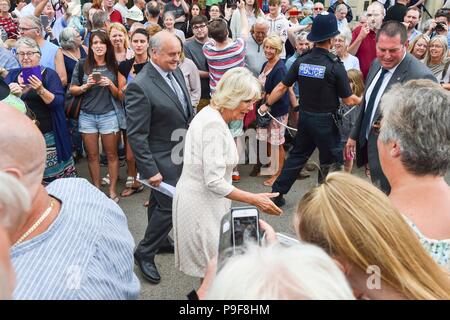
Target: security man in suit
[(322, 79), (157, 104), (393, 65)]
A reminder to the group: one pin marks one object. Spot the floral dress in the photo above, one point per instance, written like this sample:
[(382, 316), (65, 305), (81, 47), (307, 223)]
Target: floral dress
[(438, 249)]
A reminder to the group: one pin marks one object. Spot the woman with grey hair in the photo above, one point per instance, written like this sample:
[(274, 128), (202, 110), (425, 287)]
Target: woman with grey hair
[(72, 49), (43, 92), (205, 189), (414, 150), (169, 25), (341, 44)]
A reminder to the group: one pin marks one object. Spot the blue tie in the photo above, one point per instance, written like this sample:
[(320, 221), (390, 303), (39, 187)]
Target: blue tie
[(179, 92), (366, 125)]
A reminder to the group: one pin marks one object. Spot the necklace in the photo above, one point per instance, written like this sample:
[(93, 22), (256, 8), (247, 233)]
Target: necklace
[(36, 224), (71, 55)]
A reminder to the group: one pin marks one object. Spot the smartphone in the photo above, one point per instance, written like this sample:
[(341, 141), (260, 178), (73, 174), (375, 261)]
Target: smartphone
[(27, 72), (44, 21), (286, 240), (232, 4), (245, 226), (97, 76)]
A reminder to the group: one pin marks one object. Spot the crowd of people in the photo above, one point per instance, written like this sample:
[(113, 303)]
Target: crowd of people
[(175, 90)]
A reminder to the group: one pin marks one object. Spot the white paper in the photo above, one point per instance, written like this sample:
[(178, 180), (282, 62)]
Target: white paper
[(165, 188)]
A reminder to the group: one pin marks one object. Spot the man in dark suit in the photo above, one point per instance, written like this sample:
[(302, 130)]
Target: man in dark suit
[(393, 65), (157, 103)]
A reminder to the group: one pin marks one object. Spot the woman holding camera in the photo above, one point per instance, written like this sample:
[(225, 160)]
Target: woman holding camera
[(205, 189), (41, 89), (98, 114)]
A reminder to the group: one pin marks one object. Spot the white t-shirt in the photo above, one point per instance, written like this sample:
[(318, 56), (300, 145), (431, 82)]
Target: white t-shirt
[(28, 10), (351, 62)]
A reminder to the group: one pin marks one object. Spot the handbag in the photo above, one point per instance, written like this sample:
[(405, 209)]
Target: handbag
[(262, 121), (72, 104)]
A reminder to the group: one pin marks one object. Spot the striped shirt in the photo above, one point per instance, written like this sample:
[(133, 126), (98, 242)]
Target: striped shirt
[(85, 254), (222, 60)]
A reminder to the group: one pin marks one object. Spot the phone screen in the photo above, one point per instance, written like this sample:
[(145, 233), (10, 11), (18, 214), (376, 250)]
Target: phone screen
[(245, 226), (44, 21), (27, 72)]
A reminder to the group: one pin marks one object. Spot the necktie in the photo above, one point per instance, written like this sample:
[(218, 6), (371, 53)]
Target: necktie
[(365, 126), (177, 90)]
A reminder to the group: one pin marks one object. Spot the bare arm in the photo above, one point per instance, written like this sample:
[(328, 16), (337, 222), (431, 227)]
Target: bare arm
[(185, 6), (292, 97), (293, 30), (260, 200), (354, 47), (276, 93), (123, 85), (39, 8), (203, 74), (60, 67), (245, 30), (353, 100)]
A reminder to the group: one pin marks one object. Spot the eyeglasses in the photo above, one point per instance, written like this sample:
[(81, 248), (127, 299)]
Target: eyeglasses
[(201, 26), (27, 54), (318, 9), (437, 46), (25, 29)]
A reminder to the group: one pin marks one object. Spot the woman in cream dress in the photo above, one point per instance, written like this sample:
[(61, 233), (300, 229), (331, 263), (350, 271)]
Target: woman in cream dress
[(205, 191)]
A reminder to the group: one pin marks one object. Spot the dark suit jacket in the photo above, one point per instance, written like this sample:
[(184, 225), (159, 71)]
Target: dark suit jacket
[(409, 69), (153, 113)]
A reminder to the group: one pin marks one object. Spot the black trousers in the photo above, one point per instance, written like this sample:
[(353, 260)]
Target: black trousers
[(159, 213), (315, 130)]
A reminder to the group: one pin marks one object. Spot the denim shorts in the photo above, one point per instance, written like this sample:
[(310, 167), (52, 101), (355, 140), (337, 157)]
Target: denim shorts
[(98, 123)]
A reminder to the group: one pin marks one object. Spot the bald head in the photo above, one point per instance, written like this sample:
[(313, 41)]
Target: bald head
[(165, 50), (23, 148)]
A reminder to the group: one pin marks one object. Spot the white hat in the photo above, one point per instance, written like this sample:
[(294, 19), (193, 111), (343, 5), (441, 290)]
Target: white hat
[(135, 14)]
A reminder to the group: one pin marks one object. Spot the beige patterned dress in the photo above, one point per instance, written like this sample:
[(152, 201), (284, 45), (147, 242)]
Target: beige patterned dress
[(199, 203)]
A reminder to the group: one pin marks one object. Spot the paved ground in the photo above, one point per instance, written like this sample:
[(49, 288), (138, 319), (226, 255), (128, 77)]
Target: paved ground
[(174, 284)]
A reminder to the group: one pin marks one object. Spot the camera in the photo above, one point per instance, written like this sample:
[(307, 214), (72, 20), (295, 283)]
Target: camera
[(440, 27)]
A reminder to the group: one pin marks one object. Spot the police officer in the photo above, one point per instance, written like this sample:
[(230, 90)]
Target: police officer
[(322, 80)]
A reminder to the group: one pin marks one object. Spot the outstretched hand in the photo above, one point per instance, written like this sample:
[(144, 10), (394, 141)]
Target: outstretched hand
[(264, 203)]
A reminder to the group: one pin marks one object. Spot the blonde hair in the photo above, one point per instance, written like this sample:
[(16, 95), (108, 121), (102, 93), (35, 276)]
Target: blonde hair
[(350, 218), (414, 42), (356, 77), (121, 28), (275, 42), (444, 42), (235, 86)]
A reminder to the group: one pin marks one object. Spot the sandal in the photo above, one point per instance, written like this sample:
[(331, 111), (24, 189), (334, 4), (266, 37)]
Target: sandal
[(130, 182), (116, 199), (105, 180), (130, 191)]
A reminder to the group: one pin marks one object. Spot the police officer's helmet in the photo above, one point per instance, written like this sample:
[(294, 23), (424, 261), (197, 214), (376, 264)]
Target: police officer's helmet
[(324, 27)]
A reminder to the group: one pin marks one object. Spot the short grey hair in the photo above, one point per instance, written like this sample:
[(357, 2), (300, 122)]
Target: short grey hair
[(261, 21), (157, 41), (28, 42), (67, 38), (167, 14), (346, 35), (99, 19), (299, 272), (34, 21), (417, 116), (15, 201), (236, 85), (302, 36), (341, 7)]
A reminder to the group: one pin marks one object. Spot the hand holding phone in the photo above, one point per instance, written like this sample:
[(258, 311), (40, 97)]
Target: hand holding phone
[(97, 76), (27, 72), (44, 21)]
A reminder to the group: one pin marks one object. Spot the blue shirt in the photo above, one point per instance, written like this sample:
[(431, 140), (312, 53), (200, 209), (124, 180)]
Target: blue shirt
[(7, 60), (85, 254), (49, 51)]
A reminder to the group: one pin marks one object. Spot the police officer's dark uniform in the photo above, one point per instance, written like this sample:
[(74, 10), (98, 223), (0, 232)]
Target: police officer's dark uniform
[(322, 80)]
